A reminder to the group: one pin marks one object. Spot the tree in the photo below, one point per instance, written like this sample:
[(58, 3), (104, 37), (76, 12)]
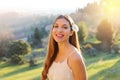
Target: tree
[(82, 33), (5, 38), (105, 34), (17, 50), (36, 38)]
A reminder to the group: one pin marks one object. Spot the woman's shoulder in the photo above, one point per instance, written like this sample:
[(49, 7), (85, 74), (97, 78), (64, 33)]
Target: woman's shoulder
[(77, 66), (76, 54), (76, 57)]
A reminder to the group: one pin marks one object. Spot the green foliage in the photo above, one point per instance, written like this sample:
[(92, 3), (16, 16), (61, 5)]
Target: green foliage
[(36, 38), (115, 48), (105, 31), (3, 48), (105, 34), (17, 59), (18, 49), (82, 33), (89, 49), (117, 35), (4, 41)]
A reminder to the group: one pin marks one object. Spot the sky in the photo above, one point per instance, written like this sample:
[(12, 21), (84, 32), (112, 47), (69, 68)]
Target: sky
[(37, 6)]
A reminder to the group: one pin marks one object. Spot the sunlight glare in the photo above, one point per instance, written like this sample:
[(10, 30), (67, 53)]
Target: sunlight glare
[(38, 5)]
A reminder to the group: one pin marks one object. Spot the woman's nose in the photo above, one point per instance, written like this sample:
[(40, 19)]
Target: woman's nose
[(59, 29)]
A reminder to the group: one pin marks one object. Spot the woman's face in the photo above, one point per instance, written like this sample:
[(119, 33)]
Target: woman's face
[(61, 30)]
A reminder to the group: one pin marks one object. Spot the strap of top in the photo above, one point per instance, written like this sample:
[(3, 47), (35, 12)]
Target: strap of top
[(70, 54), (67, 59)]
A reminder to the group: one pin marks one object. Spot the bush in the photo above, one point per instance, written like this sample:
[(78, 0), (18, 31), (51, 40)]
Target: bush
[(82, 33), (115, 48), (17, 59), (89, 50), (17, 50)]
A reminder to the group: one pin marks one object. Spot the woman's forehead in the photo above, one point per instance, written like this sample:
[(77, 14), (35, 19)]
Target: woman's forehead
[(61, 21)]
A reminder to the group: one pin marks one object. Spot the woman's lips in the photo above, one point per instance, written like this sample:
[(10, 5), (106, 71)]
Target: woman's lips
[(59, 35)]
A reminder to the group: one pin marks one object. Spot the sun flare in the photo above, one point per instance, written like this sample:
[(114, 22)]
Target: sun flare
[(111, 9)]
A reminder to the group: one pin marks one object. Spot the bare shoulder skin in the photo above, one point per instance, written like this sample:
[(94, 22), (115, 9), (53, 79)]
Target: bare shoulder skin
[(77, 66)]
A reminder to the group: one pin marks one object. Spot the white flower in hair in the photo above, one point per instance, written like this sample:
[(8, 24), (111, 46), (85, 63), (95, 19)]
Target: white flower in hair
[(71, 20), (75, 28)]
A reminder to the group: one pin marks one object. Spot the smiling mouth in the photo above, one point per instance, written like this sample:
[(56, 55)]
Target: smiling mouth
[(59, 35)]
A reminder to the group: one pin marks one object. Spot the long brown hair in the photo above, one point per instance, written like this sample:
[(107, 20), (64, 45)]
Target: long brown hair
[(53, 47)]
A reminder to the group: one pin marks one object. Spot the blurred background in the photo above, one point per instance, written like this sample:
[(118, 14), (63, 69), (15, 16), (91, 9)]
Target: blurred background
[(24, 34)]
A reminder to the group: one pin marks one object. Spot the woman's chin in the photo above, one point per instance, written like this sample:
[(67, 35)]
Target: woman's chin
[(59, 40)]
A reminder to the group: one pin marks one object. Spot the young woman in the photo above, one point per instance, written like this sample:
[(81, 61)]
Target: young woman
[(64, 60)]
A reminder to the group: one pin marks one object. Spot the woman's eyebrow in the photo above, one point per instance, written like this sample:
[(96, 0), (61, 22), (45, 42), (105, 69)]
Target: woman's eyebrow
[(64, 25), (55, 24)]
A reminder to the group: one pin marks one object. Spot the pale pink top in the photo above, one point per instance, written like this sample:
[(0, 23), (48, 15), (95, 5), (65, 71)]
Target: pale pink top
[(60, 71)]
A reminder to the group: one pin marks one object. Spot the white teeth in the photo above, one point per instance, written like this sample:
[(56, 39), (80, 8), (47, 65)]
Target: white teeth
[(59, 35)]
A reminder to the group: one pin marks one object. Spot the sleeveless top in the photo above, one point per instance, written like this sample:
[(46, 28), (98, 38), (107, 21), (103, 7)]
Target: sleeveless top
[(60, 70)]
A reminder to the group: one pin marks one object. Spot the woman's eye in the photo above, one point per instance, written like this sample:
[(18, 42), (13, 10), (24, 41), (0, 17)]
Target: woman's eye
[(65, 27), (55, 26)]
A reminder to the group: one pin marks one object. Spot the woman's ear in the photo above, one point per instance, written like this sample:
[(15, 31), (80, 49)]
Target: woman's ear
[(71, 32)]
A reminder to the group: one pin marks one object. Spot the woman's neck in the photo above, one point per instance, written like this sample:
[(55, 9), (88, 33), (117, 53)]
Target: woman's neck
[(63, 47)]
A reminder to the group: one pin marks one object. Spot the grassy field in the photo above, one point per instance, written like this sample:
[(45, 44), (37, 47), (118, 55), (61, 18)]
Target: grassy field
[(104, 66), (22, 72)]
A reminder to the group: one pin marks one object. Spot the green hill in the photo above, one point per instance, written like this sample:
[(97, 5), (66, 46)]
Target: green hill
[(104, 66)]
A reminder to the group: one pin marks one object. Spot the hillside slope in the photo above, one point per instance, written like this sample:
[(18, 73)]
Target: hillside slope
[(104, 66)]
